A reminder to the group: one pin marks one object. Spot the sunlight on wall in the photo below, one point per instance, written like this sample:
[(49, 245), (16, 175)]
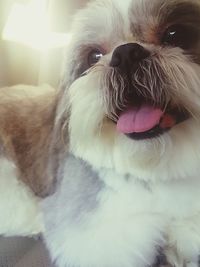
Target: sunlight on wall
[(29, 25)]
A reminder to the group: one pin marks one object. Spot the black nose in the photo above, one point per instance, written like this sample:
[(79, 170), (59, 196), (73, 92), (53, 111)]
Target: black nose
[(127, 55)]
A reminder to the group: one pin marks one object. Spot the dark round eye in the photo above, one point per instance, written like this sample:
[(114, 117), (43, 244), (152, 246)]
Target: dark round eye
[(183, 36), (94, 56)]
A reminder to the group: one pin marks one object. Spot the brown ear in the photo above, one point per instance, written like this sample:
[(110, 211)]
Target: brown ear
[(27, 117)]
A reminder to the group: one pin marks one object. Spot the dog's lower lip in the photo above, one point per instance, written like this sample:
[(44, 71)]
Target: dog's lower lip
[(153, 133)]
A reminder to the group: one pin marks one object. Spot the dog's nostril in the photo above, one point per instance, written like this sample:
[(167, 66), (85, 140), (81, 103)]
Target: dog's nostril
[(128, 54)]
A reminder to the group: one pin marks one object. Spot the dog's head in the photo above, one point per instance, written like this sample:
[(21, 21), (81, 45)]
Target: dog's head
[(132, 87)]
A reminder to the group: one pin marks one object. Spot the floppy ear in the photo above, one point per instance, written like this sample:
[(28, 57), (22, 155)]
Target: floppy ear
[(51, 148), (58, 147), (27, 115)]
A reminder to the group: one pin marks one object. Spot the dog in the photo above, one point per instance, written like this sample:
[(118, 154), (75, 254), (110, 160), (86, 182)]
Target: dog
[(118, 147), (128, 190)]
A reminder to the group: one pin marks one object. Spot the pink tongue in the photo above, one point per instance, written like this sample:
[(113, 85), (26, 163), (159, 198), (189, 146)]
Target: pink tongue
[(138, 120)]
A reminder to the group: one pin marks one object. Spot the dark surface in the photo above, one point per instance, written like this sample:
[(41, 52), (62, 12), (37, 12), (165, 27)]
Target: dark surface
[(23, 252)]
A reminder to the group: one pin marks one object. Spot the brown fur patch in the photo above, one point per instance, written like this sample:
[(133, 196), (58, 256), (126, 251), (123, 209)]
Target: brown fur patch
[(27, 118), (149, 20)]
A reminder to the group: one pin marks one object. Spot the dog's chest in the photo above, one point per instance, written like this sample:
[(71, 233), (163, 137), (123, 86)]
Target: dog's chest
[(178, 199), (99, 219)]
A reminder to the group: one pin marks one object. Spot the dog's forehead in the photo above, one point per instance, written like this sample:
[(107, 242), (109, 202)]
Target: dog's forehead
[(139, 10), (112, 19)]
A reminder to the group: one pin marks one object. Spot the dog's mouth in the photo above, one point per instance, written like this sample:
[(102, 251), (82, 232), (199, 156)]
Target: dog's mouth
[(149, 121)]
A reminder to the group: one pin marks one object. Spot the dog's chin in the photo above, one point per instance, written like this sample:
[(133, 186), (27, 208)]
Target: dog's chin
[(170, 155)]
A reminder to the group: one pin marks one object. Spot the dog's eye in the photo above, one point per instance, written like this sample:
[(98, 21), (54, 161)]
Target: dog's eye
[(183, 36), (94, 56)]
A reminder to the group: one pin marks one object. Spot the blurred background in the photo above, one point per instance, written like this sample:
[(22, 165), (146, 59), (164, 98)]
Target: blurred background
[(33, 36)]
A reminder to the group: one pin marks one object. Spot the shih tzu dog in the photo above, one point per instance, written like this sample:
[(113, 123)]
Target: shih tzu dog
[(122, 144), (129, 113)]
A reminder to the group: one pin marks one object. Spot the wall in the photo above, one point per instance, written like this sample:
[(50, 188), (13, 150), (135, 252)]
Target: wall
[(20, 63)]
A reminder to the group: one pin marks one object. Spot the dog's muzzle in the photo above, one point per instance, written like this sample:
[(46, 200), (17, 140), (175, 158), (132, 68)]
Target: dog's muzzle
[(142, 117)]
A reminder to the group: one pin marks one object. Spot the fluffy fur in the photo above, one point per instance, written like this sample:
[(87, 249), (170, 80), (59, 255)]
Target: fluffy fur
[(26, 119), (20, 213), (118, 202)]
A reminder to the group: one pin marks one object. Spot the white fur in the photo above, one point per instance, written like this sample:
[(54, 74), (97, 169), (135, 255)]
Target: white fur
[(168, 215), (175, 155), (160, 203), (19, 210), (131, 221)]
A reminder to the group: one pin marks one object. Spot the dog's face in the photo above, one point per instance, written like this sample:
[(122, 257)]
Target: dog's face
[(133, 87)]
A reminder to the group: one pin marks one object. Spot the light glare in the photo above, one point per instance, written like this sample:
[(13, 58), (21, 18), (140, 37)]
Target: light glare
[(29, 25)]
